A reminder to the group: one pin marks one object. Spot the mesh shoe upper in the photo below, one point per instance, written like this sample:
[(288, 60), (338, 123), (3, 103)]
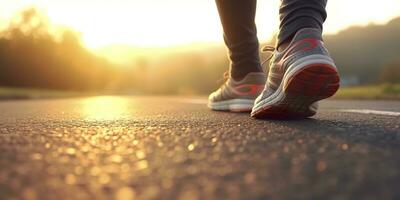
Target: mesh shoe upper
[(247, 88), (307, 41)]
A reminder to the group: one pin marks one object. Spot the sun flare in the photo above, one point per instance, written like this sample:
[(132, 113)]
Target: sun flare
[(160, 23)]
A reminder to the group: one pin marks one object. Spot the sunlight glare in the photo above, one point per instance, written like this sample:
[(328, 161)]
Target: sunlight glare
[(105, 108), (160, 23)]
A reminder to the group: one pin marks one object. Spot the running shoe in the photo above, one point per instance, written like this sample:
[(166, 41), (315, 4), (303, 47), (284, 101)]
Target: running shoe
[(238, 96), (298, 78)]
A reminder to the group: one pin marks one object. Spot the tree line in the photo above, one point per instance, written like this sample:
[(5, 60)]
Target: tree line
[(32, 56)]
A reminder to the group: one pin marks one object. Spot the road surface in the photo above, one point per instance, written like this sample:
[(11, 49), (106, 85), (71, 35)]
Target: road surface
[(175, 148)]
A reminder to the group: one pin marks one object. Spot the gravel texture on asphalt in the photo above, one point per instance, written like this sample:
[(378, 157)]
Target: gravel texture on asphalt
[(170, 148)]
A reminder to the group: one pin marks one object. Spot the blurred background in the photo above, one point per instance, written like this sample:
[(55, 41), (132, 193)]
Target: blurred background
[(175, 47)]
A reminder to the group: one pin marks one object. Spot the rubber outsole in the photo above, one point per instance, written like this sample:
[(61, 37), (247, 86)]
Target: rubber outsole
[(311, 84), (232, 105)]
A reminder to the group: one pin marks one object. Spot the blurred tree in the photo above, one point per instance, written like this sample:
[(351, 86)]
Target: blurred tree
[(30, 56)]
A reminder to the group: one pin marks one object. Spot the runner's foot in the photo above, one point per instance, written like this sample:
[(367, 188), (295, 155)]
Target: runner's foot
[(298, 78), (238, 96)]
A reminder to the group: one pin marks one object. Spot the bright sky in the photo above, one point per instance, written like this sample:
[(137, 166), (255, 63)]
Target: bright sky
[(177, 22)]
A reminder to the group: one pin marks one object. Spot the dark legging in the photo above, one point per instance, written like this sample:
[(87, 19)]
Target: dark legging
[(240, 32)]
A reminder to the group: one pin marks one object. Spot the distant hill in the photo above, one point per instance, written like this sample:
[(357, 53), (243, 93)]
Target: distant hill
[(363, 52), (360, 52)]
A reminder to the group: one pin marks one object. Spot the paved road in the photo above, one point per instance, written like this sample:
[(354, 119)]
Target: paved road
[(174, 148)]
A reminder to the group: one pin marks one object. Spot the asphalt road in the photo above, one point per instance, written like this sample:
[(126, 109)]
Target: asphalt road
[(175, 148)]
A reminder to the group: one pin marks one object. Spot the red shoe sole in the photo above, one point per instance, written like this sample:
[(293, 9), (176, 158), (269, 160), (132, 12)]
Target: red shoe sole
[(313, 83)]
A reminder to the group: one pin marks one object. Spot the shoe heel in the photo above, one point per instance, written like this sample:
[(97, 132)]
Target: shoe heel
[(316, 81)]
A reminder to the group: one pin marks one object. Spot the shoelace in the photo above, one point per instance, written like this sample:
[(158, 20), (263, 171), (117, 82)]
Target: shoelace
[(265, 49), (224, 78)]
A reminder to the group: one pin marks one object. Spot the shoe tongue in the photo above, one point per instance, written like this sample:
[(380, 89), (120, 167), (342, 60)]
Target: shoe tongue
[(307, 33)]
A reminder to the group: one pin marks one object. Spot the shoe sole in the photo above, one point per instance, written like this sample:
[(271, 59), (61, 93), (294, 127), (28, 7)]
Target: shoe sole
[(299, 90), (232, 105)]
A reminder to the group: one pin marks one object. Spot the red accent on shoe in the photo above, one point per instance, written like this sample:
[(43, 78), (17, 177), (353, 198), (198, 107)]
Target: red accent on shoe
[(252, 89), (313, 43)]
